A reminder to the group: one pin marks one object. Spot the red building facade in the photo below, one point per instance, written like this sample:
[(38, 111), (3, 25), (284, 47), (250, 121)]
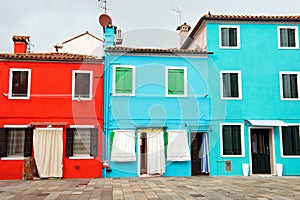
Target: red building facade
[(51, 114)]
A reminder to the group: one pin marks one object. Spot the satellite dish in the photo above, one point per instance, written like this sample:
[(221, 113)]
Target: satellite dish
[(105, 20)]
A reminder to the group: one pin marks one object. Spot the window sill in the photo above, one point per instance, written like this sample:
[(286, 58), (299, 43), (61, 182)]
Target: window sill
[(122, 94), (232, 156), (288, 48), (290, 99), (287, 156), (231, 98), (12, 158), (225, 47), (81, 158)]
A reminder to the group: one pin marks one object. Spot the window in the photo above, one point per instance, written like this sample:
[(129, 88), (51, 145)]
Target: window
[(231, 85), (289, 85), (291, 140), (232, 140), (16, 143), (176, 82), (124, 80), (229, 36), (82, 142), (178, 146), (287, 37), (82, 85), (19, 84)]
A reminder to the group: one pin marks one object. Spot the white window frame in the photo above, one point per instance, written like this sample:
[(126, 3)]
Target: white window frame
[(239, 84), (281, 85), (281, 143), (296, 36), (81, 157), (238, 37), (242, 140), (167, 81), (114, 80), (9, 126), (73, 84), (10, 94)]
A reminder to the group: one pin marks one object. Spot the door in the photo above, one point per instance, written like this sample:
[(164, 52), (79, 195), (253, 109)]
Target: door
[(143, 154), (195, 148), (48, 151), (152, 152), (260, 150), (200, 154)]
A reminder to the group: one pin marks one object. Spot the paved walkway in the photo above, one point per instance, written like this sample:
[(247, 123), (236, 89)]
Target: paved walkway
[(201, 187)]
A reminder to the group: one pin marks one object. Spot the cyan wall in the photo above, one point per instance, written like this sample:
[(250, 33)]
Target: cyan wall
[(260, 62), (151, 108)]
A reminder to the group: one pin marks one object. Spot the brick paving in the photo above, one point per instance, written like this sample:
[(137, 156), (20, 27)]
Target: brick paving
[(200, 187)]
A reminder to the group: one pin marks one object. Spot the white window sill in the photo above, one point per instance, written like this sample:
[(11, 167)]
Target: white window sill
[(81, 157), (12, 158), (232, 156), (122, 94), (288, 156)]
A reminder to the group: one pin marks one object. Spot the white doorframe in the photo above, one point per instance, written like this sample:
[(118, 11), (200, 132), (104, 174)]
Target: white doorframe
[(271, 147)]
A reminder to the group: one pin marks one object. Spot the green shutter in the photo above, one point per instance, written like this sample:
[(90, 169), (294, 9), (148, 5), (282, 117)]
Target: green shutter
[(3, 142), (111, 139), (294, 85), (232, 37), (28, 142), (295, 140), (291, 38), (176, 81), (69, 142), (227, 140), (234, 82), (236, 140), (287, 140), (94, 142), (123, 80)]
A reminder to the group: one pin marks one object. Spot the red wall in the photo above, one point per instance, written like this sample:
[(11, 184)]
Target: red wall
[(51, 101)]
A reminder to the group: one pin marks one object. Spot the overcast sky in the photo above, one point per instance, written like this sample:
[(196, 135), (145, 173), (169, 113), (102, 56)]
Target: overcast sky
[(49, 22)]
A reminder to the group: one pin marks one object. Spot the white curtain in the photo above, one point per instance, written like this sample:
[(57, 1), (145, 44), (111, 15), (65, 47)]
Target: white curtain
[(178, 147), (155, 153), (204, 154), (15, 142), (123, 147), (48, 151)]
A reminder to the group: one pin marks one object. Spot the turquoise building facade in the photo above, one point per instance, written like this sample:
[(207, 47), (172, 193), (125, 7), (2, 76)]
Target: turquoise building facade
[(157, 101), (254, 90)]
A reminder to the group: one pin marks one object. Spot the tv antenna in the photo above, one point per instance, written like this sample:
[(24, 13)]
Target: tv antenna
[(103, 5), (178, 13)]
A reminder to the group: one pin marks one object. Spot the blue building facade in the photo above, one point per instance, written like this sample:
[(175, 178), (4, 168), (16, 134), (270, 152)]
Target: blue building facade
[(157, 101), (254, 88)]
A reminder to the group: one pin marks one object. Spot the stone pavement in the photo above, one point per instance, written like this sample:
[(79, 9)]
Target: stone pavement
[(197, 187)]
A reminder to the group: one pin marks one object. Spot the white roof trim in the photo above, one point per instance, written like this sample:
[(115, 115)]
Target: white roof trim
[(266, 122)]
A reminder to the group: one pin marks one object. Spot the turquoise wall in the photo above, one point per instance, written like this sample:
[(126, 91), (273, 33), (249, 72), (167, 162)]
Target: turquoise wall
[(260, 62), (151, 108)]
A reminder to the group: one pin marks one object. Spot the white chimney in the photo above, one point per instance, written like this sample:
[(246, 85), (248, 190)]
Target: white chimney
[(183, 33)]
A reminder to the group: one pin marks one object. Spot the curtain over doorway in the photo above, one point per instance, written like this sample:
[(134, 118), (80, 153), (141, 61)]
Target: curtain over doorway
[(48, 151), (155, 153)]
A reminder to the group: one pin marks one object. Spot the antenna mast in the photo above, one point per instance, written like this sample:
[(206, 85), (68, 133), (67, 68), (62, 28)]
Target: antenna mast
[(103, 5), (178, 12)]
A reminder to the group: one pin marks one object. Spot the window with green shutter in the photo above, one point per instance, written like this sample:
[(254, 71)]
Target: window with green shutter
[(231, 84), (288, 37), (176, 82), (291, 140), (229, 37), (231, 135), (290, 86), (124, 80)]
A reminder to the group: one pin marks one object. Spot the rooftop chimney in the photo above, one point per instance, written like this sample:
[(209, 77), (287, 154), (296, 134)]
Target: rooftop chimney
[(183, 33), (20, 43)]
